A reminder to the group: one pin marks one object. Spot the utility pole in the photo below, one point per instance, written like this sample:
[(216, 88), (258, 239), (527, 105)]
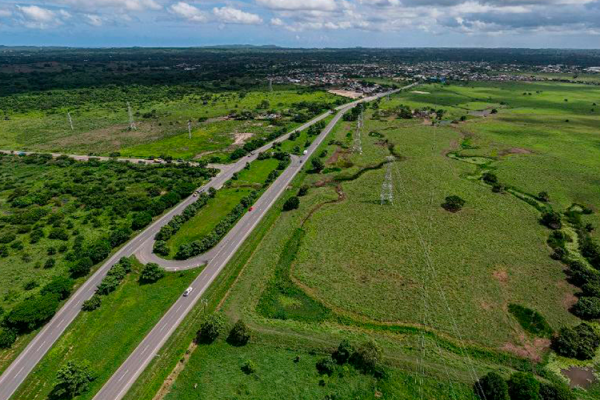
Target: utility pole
[(132, 126), (70, 120), (387, 189)]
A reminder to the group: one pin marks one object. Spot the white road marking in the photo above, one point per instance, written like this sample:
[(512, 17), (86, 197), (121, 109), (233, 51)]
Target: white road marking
[(123, 376)]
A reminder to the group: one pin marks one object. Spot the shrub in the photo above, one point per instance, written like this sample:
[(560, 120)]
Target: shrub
[(490, 178), (7, 338), (325, 366), (317, 164), (151, 273), (524, 386), (29, 285), (32, 313), (532, 321), (492, 387), (551, 219), (92, 303), (210, 329), (291, 204), (58, 234), (303, 191), (249, 367), (72, 379), (60, 285), (579, 342), (591, 289), (367, 356), (453, 204), (587, 308), (544, 197), (239, 334), (108, 285), (343, 352), (141, 220), (81, 268), (161, 248), (556, 392)]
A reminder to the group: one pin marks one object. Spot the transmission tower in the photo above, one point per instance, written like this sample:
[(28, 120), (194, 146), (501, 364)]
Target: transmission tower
[(190, 128), (270, 84), (131, 121), (358, 133), (70, 120), (387, 188)]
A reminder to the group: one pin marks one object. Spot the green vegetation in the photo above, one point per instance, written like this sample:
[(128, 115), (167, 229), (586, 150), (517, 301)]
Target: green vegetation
[(105, 337), (530, 320)]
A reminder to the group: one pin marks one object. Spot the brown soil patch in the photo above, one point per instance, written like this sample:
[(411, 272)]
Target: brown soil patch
[(341, 197), (335, 156), (346, 93), (580, 377), (515, 150), (485, 305), (241, 137), (532, 350), (166, 386), (501, 275), (453, 147)]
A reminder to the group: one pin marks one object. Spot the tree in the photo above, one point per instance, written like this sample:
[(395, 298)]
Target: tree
[(303, 190), (161, 248), (492, 387), (92, 303), (490, 178), (99, 250), (151, 273), (367, 356), (81, 268), (453, 204), (317, 164), (239, 334), (60, 285), (291, 204), (524, 386), (544, 196), (551, 219), (32, 313), (587, 308), (7, 338), (325, 366), (210, 329), (343, 352), (249, 367), (579, 342), (141, 220), (72, 379)]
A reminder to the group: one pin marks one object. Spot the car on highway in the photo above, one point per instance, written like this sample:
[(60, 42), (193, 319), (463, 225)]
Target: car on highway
[(251, 208), (188, 291)]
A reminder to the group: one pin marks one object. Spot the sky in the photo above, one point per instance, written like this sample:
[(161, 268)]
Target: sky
[(302, 23)]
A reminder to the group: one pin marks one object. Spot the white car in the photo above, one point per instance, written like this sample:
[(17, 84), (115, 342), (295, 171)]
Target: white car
[(188, 291)]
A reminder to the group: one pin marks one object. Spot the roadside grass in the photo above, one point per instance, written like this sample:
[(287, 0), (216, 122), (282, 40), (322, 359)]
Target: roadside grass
[(101, 122), (105, 337), (224, 202), (215, 369)]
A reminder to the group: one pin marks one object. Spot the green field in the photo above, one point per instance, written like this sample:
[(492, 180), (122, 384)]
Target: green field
[(106, 336), (220, 121), (430, 286)]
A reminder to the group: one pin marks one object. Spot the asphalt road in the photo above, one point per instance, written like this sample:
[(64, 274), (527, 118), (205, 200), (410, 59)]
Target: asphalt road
[(120, 382)]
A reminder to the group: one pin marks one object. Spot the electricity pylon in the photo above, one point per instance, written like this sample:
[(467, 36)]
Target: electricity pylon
[(70, 120), (131, 121), (358, 133), (387, 188), (270, 84), (190, 128)]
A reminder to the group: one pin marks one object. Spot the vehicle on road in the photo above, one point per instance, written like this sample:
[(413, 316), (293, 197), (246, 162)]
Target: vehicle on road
[(188, 291), (251, 208), (305, 152)]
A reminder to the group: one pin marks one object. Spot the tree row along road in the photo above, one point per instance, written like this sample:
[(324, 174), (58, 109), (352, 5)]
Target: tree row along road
[(122, 380)]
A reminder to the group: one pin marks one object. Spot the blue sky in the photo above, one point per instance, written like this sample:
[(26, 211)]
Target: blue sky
[(303, 23)]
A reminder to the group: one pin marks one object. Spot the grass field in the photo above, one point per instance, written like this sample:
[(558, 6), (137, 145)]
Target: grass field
[(100, 119), (106, 336)]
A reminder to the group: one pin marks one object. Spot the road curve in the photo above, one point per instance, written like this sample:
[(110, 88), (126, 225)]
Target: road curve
[(120, 382), (16, 373)]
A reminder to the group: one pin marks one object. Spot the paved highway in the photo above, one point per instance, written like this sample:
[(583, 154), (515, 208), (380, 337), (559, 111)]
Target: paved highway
[(117, 386)]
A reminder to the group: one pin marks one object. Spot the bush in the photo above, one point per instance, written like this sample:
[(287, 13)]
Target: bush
[(81, 268), (29, 285), (591, 289), (490, 178), (580, 342), (210, 329), (325, 366), (543, 197), (91, 304), (141, 220), (239, 334), (317, 164), (343, 352), (60, 285), (524, 386), (492, 387), (551, 219), (532, 321), (99, 250), (556, 392), (161, 248), (453, 204), (7, 338), (248, 367), (72, 379), (151, 273), (303, 191), (50, 263), (367, 356), (587, 308), (291, 204), (33, 312)]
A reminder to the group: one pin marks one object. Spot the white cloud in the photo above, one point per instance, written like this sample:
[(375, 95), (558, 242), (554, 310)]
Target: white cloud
[(130, 5), (188, 12), (234, 16), (41, 18), (277, 22), (94, 20), (290, 5), (5, 13)]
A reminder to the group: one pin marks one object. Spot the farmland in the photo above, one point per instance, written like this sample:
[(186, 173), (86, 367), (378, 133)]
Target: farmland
[(427, 284), (219, 121)]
